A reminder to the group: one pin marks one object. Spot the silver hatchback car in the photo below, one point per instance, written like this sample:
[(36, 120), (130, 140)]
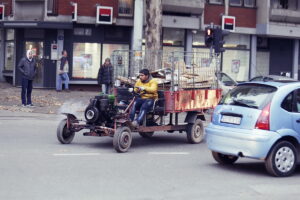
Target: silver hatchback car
[(259, 120)]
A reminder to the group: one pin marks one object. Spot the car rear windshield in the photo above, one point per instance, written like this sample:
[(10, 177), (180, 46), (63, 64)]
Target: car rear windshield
[(250, 95)]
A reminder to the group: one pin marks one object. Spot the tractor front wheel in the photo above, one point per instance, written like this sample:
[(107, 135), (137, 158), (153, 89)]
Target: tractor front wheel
[(122, 139)]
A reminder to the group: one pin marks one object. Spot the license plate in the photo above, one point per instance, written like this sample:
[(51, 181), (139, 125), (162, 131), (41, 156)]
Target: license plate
[(230, 119)]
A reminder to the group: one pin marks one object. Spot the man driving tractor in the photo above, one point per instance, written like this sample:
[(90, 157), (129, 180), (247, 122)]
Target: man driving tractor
[(146, 86)]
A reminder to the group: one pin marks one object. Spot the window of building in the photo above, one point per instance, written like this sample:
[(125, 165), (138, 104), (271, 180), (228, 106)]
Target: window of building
[(9, 50), (235, 2), (52, 7), (126, 8), (249, 3), (173, 37), (284, 4), (86, 60), (216, 1)]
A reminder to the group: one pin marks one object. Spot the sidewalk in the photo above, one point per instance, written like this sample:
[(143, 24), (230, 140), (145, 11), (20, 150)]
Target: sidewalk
[(46, 101)]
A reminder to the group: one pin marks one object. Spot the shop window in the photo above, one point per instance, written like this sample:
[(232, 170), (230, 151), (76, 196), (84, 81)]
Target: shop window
[(173, 37), (86, 60), (126, 8), (235, 63), (9, 50), (119, 59), (52, 7), (9, 56), (216, 1)]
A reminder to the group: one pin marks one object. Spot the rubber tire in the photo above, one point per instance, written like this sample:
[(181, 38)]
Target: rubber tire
[(146, 134), (118, 140), (63, 134), (190, 132), (96, 114), (224, 159), (270, 161)]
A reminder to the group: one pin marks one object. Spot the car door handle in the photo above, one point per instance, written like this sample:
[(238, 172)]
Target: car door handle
[(298, 120)]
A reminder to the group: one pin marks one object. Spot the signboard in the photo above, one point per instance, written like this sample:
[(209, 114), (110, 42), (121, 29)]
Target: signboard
[(74, 12), (2, 12), (228, 23), (104, 15), (54, 52)]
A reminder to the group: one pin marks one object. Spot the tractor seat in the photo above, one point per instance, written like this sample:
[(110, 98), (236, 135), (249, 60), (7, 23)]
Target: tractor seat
[(159, 104)]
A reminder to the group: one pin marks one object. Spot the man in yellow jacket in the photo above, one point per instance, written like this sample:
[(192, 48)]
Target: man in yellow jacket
[(147, 87)]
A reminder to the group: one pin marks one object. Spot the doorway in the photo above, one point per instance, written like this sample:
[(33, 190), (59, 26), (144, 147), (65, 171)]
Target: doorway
[(37, 48)]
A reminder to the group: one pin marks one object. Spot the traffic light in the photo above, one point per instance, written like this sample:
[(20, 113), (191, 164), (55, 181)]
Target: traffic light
[(219, 39), (209, 36)]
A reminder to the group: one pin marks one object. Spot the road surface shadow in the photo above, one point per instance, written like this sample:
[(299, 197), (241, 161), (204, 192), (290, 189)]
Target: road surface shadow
[(251, 168)]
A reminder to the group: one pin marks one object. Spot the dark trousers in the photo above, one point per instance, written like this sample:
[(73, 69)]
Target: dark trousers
[(144, 106), (26, 91)]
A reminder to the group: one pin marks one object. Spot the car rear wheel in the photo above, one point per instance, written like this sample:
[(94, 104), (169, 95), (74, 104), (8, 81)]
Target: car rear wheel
[(282, 159), (224, 159)]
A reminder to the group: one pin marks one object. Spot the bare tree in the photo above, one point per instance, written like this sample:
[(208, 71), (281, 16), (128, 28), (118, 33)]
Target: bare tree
[(153, 34)]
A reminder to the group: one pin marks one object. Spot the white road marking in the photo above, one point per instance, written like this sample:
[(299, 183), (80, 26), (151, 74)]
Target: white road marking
[(168, 153), (76, 154)]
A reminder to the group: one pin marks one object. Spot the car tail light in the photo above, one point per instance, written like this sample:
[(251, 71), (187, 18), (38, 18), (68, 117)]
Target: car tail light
[(263, 121)]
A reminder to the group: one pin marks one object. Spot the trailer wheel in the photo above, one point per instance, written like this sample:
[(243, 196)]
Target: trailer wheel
[(195, 132), (122, 139), (147, 134), (64, 135)]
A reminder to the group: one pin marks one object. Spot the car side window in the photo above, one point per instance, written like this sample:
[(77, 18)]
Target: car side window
[(298, 101), (287, 103)]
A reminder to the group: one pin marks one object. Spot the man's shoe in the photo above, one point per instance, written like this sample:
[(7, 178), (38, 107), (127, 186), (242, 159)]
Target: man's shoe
[(67, 90), (135, 124), (58, 90), (30, 105), (23, 105)]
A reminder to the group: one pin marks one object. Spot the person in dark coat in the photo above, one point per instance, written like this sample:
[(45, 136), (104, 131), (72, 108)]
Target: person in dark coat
[(105, 76), (27, 66)]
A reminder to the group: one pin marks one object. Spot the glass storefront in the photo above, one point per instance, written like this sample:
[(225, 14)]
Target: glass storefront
[(37, 49), (86, 60), (9, 50)]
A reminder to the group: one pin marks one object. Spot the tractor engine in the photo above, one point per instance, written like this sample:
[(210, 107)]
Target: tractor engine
[(101, 110)]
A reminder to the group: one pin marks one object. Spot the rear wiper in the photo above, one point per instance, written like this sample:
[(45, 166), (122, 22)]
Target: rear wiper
[(237, 102)]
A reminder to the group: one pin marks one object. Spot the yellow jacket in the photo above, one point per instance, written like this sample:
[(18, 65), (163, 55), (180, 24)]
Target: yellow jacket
[(150, 89)]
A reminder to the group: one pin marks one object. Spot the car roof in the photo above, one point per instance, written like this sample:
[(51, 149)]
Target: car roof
[(273, 83)]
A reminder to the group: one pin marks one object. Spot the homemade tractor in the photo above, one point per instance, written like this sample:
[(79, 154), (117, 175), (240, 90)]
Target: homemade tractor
[(108, 115)]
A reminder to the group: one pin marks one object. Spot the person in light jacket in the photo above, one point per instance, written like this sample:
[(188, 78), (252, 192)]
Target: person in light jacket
[(105, 76), (27, 67), (63, 73)]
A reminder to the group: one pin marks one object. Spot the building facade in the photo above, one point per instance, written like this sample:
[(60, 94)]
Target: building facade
[(264, 41)]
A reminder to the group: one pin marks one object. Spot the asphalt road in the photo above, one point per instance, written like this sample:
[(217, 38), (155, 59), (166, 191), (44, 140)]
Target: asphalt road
[(35, 166)]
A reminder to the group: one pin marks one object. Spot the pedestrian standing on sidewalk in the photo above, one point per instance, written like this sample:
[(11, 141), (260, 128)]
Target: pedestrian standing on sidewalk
[(105, 76), (27, 66), (63, 73)]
